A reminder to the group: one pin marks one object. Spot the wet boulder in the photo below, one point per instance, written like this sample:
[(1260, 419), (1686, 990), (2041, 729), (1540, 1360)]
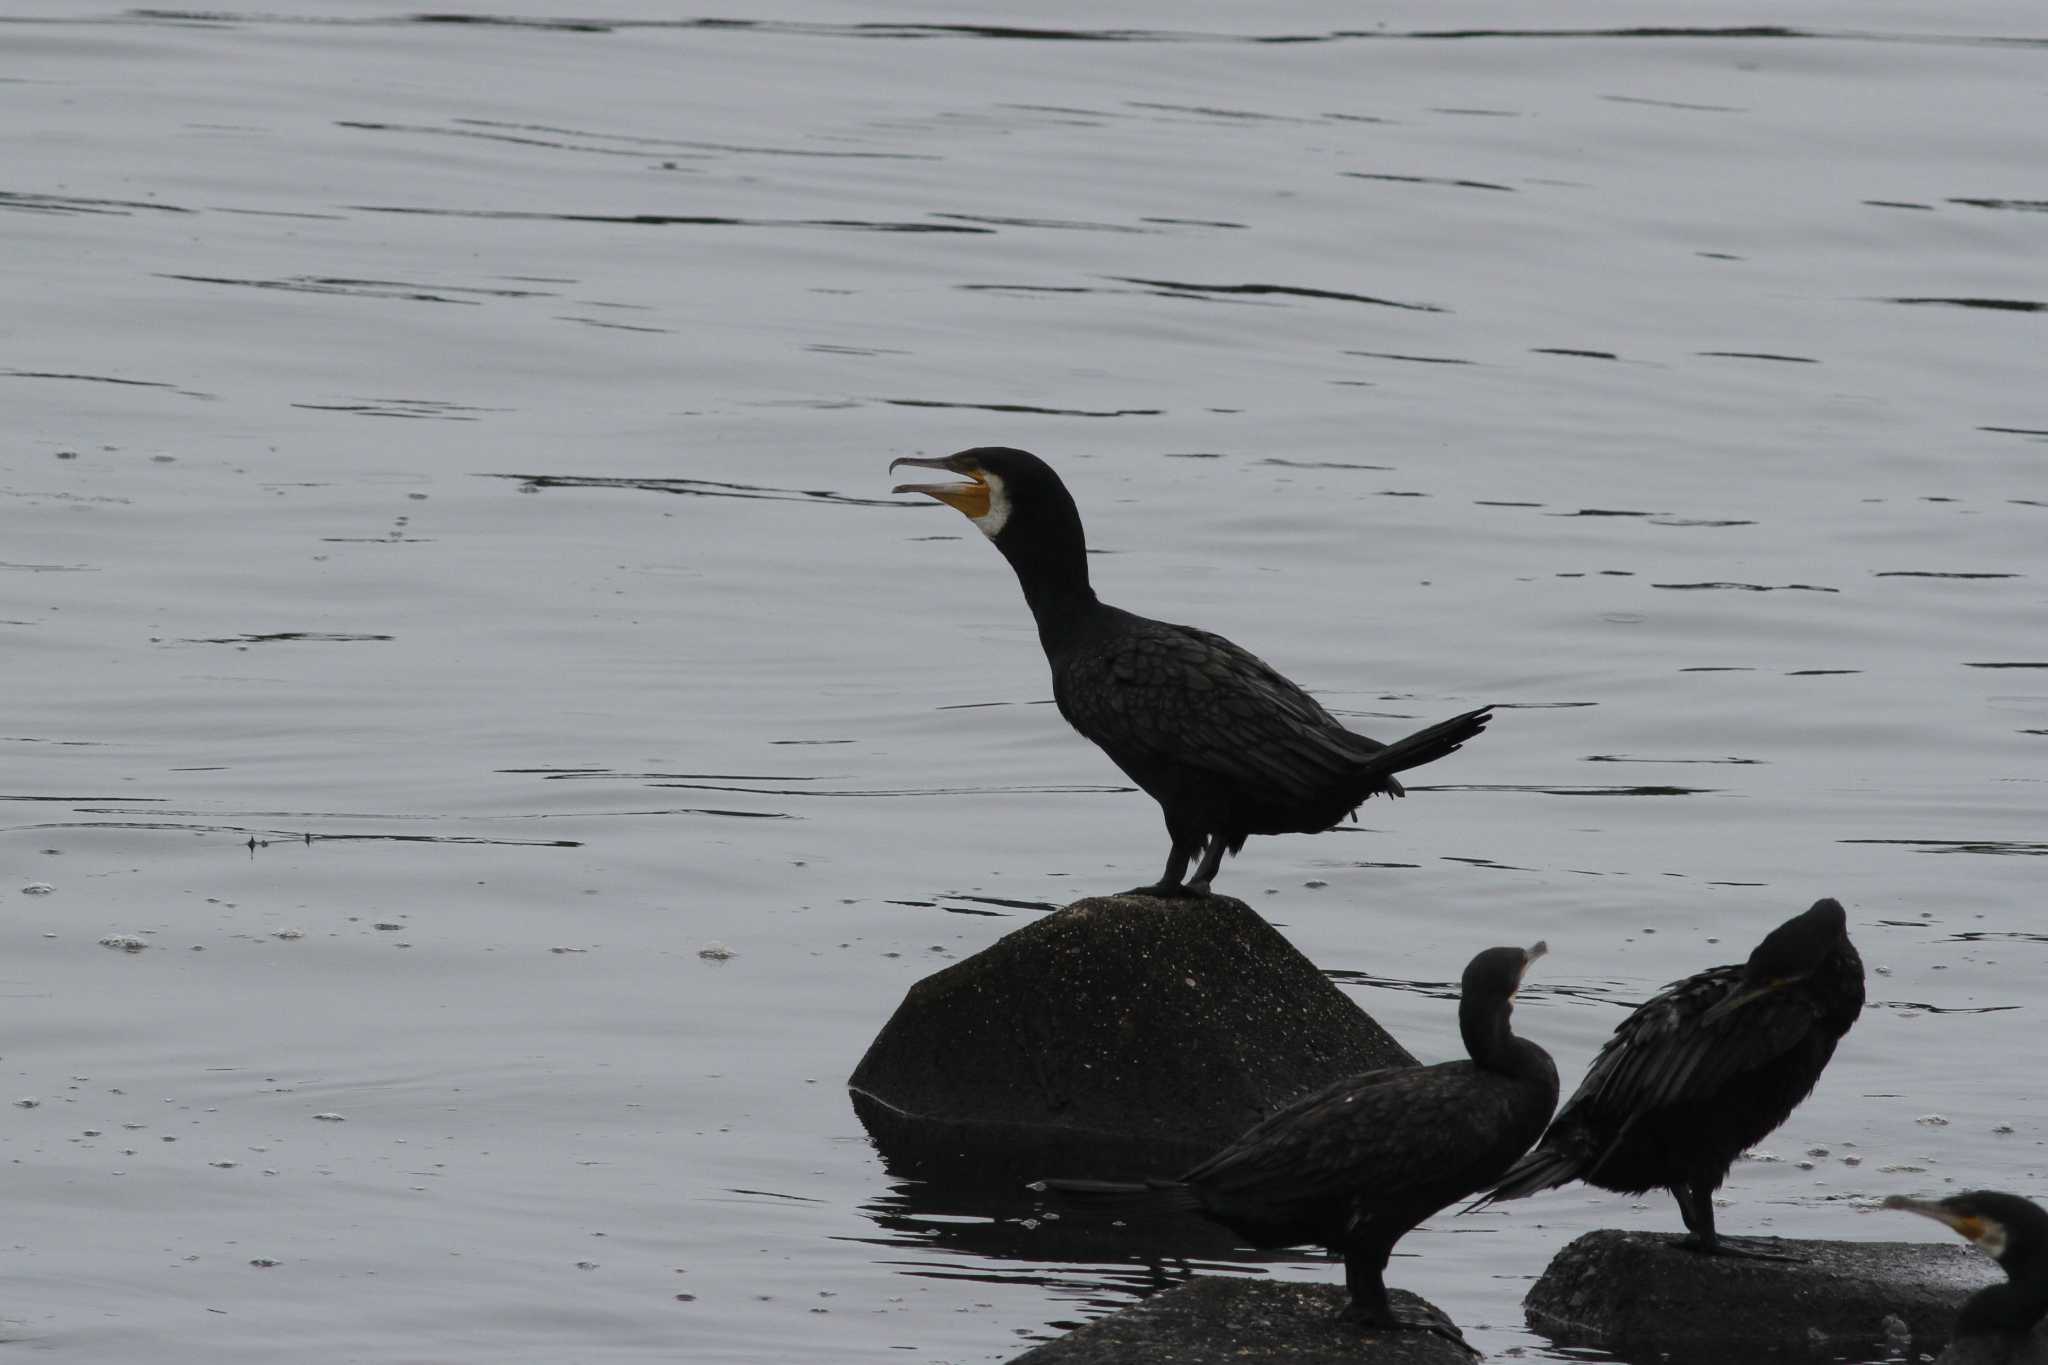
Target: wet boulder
[(1641, 1296), (2031, 1349), (1122, 1036), (1213, 1320)]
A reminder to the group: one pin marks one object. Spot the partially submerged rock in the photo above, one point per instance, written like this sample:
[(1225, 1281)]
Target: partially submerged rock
[(1213, 1320), (1121, 1036), (1640, 1296), (2031, 1349)]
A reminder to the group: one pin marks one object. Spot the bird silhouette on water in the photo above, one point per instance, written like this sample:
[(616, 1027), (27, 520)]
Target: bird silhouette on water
[(1356, 1165), (1226, 745), (1703, 1071), (1994, 1323)]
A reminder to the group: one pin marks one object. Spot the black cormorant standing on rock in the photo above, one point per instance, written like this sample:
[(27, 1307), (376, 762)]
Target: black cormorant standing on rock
[(1355, 1165), (1224, 744), (1704, 1070), (2012, 1231)]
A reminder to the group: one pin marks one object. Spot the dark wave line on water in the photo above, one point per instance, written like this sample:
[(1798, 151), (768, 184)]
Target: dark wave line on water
[(1574, 789), (1996, 847), (614, 326), (263, 838), (1761, 355), (102, 379), (1448, 990), (1631, 758), (1022, 408), (415, 409), (2017, 205), (1675, 104), (669, 219), (1284, 290), (743, 148), (1430, 180), (429, 130), (1057, 224), (1935, 573), (1574, 351), (2017, 431), (2015, 663), (1821, 672), (1425, 360), (1323, 464), (1995, 936), (366, 289), (80, 800), (281, 636), (698, 488), (1925, 1008), (29, 202), (1048, 34), (1998, 305), (1049, 789), (1898, 204), (1743, 587)]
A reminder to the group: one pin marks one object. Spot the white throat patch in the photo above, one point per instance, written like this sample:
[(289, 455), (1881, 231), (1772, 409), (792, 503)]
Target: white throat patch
[(992, 521), (1992, 1243)]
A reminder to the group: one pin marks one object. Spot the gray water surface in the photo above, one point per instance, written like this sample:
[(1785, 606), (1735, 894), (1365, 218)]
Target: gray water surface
[(458, 625)]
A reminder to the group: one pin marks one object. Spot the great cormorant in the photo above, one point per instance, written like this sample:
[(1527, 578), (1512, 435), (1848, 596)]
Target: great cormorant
[(2013, 1232), (1704, 1070), (1224, 744), (1355, 1165)]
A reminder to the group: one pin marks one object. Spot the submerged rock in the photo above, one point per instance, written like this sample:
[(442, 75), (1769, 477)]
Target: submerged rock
[(2032, 1349), (1121, 1036), (1642, 1297), (1213, 1320)]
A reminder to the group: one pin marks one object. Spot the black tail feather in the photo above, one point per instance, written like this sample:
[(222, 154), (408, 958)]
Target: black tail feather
[(1543, 1169), (1427, 745)]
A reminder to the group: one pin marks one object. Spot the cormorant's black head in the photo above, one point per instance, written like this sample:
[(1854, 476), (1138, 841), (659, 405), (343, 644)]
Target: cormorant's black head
[(1010, 492), (1020, 504), (1496, 974), (2005, 1227), (1789, 954)]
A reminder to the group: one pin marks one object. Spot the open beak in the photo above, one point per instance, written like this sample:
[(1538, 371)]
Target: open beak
[(1529, 956), (1970, 1227), (972, 498)]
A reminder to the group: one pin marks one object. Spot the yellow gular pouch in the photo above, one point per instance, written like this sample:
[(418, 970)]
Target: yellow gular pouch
[(981, 500)]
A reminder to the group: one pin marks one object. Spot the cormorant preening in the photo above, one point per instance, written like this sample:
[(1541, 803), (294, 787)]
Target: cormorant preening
[(1225, 745), (1355, 1165), (2013, 1232), (1704, 1070)]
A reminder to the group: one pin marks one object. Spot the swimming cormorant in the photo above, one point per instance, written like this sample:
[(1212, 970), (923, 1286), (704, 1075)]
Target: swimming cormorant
[(1701, 1072), (1224, 744), (1355, 1165), (2012, 1231)]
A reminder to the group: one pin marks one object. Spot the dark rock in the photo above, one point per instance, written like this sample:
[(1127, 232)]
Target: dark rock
[(1121, 1036), (1212, 1320), (1642, 1297), (2029, 1350)]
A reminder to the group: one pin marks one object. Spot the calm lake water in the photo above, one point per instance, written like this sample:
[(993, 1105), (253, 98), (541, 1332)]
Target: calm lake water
[(458, 628)]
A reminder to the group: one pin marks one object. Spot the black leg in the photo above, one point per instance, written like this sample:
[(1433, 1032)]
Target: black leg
[(1169, 885), (1212, 859), (1365, 1270), (1696, 1206)]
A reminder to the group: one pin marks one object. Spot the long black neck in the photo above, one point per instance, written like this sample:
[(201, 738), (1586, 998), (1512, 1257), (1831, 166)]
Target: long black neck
[(2014, 1306), (1492, 1042), (1050, 554)]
